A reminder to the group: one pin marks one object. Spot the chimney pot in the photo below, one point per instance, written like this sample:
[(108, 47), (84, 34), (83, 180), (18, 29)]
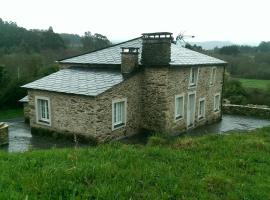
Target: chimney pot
[(156, 49), (129, 59)]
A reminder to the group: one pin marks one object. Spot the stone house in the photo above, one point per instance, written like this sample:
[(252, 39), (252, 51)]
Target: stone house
[(147, 83)]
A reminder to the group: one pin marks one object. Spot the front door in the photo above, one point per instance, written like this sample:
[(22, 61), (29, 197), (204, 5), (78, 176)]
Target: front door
[(191, 110)]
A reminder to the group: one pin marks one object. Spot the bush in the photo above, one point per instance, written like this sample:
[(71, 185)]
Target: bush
[(235, 92)]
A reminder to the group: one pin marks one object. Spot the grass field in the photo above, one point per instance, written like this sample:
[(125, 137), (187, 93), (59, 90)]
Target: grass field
[(235, 166), (11, 113), (255, 84)]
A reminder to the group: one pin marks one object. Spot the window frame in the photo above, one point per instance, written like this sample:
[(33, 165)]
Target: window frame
[(201, 117), (213, 75), (179, 117), (123, 124), (40, 120), (190, 84), (217, 110)]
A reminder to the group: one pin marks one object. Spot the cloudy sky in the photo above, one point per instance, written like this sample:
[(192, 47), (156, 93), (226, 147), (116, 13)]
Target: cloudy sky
[(239, 21)]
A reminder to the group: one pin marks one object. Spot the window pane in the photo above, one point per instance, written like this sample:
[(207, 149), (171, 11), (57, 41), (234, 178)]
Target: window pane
[(179, 106), (119, 113), (202, 107)]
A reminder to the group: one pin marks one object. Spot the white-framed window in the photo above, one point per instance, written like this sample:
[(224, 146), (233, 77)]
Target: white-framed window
[(43, 110), (213, 75), (201, 111), (179, 107), (119, 111), (193, 78), (217, 102)]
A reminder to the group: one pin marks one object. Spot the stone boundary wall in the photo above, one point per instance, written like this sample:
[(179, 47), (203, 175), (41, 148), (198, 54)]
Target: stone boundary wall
[(3, 133), (247, 110)]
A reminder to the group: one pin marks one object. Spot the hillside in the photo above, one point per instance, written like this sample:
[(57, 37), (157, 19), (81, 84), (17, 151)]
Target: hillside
[(235, 166)]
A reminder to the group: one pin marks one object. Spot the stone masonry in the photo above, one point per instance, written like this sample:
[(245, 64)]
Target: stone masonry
[(149, 88), (150, 104)]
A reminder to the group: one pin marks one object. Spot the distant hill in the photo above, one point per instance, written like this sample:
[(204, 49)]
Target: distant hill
[(208, 45)]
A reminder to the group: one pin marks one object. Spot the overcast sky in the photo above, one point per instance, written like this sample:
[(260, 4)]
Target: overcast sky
[(239, 21)]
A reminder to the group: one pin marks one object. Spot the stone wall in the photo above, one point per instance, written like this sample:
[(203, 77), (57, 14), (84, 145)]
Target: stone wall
[(247, 110), (160, 87), (150, 95), (129, 89), (70, 114), (154, 101), (3, 134), (26, 112)]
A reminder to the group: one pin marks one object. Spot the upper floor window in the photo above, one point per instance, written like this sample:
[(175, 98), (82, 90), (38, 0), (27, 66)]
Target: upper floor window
[(43, 110), (213, 75), (201, 113), (193, 76), (119, 113), (179, 107), (217, 102)]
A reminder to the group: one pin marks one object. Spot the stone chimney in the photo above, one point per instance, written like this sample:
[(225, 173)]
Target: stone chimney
[(129, 59), (156, 49)]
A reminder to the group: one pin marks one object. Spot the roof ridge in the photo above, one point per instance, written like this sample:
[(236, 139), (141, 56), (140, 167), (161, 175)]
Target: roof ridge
[(99, 49)]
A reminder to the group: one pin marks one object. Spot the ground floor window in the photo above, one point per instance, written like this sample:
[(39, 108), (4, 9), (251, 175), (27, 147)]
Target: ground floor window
[(201, 113), (43, 110), (217, 102), (119, 113), (179, 107)]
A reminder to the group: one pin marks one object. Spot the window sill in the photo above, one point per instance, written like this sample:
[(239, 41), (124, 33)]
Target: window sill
[(46, 123), (118, 126), (216, 111), (201, 118), (192, 86), (179, 118)]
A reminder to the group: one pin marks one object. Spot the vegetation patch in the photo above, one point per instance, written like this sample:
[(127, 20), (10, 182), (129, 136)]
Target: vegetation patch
[(11, 113), (234, 166), (255, 83)]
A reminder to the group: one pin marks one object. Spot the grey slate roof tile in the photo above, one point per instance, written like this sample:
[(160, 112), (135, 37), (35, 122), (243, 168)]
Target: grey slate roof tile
[(24, 99), (111, 55), (90, 82)]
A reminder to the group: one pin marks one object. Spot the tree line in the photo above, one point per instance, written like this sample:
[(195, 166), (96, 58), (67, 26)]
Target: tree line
[(243, 61), (26, 55)]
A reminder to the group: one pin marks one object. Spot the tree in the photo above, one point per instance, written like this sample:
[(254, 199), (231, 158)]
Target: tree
[(92, 42), (264, 47), (230, 50), (194, 47), (51, 40)]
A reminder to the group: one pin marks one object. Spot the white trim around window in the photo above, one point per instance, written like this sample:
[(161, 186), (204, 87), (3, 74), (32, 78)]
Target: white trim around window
[(217, 102), (193, 77), (43, 110), (119, 113), (179, 107), (213, 75), (201, 111)]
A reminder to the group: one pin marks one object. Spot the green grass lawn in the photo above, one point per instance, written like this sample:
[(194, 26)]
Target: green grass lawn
[(11, 113), (254, 83), (235, 166)]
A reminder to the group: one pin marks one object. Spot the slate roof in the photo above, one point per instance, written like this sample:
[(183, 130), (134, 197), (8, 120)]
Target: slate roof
[(89, 82), (180, 56), (24, 99)]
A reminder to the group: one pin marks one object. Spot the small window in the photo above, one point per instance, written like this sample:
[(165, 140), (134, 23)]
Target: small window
[(193, 76), (118, 114), (213, 75), (201, 114), (179, 107), (43, 110), (217, 102)]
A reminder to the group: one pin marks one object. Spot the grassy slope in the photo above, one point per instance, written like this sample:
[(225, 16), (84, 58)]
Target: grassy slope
[(11, 113), (254, 83), (206, 167)]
